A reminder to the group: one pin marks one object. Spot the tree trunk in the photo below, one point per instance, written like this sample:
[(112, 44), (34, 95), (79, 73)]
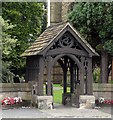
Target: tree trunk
[(104, 67), (112, 70)]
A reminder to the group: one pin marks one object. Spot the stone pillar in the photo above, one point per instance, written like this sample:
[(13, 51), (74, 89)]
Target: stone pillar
[(40, 77), (89, 77)]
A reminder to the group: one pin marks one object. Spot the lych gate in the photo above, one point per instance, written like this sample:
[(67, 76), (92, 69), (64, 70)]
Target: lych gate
[(63, 44)]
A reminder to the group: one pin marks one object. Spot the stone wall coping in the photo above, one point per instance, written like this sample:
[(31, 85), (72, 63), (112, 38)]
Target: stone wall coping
[(13, 87)]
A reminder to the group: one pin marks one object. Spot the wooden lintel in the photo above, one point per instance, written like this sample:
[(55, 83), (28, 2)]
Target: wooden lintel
[(67, 51)]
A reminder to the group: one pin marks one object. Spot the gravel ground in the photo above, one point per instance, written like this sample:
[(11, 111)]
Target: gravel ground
[(107, 109)]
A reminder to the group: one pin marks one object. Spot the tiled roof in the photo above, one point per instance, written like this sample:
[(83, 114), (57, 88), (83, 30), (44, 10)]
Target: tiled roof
[(48, 36), (44, 39)]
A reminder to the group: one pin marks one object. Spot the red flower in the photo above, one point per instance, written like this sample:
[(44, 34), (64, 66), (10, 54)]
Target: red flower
[(11, 101)]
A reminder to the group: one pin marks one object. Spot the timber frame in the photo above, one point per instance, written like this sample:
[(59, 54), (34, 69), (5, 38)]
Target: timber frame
[(63, 44)]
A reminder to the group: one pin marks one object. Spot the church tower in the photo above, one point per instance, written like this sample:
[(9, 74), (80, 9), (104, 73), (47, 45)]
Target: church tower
[(59, 11)]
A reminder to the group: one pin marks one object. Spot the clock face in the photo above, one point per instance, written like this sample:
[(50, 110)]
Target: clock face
[(66, 41)]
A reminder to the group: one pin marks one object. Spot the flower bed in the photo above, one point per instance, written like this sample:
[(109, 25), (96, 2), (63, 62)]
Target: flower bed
[(11, 101), (102, 101)]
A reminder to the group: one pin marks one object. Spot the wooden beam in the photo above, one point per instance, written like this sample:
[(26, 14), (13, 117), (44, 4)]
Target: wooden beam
[(67, 51)]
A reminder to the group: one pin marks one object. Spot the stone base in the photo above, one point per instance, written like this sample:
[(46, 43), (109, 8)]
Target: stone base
[(87, 101), (42, 102), (66, 99), (70, 99)]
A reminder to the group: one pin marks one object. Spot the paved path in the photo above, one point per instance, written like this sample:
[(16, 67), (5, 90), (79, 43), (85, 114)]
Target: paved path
[(71, 112), (24, 113), (58, 112)]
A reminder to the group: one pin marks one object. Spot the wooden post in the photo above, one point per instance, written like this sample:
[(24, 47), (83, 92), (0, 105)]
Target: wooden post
[(89, 77), (112, 70), (75, 74), (27, 71), (41, 77), (49, 66), (82, 76), (72, 77), (65, 80), (65, 75)]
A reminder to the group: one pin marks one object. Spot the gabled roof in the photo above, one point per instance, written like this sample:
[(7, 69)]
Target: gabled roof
[(49, 35)]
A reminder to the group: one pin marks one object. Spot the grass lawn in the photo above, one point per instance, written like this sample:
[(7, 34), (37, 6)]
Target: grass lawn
[(57, 94)]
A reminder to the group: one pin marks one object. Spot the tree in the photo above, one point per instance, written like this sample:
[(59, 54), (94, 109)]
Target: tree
[(27, 18), (109, 47), (95, 22), (8, 44)]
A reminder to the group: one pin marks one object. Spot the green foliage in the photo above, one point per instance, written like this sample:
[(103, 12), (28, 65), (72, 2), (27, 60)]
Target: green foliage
[(6, 76), (27, 18), (94, 20), (111, 82), (109, 46), (8, 44), (96, 75)]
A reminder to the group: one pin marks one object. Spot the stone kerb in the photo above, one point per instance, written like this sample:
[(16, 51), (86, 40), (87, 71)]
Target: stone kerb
[(13, 87)]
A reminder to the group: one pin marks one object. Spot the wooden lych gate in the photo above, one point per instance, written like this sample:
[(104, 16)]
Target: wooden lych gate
[(63, 44)]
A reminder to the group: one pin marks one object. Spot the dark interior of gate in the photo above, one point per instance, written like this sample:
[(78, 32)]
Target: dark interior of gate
[(63, 44), (70, 80)]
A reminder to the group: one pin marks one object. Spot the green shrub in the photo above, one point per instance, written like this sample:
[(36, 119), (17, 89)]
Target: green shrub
[(96, 75)]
